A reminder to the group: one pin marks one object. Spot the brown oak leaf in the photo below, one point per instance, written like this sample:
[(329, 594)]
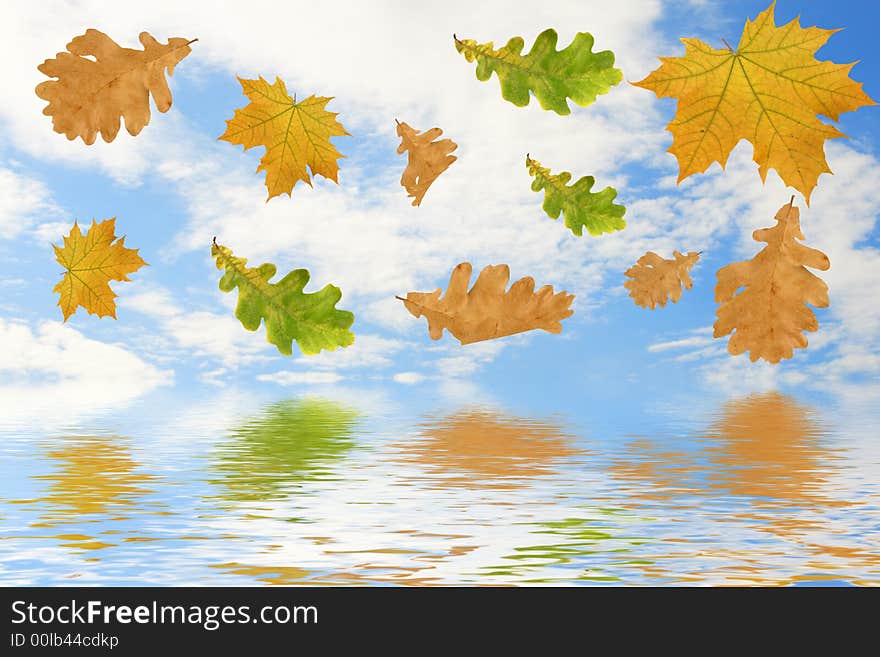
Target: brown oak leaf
[(98, 82), (427, 158), (655, 280), (487, 311), (768, 317)]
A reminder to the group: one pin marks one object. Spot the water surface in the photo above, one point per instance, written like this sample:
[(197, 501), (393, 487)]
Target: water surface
[(763, 489)]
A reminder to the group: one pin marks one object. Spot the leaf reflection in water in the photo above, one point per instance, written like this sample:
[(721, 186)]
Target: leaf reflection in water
[(767, 447), (586, 549), (96, 480), (290, 442), (479, 448), (765, 461)]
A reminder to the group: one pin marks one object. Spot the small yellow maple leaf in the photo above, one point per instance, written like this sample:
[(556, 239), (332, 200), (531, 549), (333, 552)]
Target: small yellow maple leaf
[(295, 135), (92, 261), (767, 91)]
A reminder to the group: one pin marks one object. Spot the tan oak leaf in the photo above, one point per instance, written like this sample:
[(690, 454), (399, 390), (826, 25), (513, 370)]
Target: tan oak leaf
[(768, 317), (428, 158), (654, 280), (99, 82), (487, 311)]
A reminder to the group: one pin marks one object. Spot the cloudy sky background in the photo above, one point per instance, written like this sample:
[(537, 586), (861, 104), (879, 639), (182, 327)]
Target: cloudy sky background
[(175, 186)]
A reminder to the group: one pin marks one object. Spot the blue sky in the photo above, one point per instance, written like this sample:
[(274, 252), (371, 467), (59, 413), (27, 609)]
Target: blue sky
[(175, 186)]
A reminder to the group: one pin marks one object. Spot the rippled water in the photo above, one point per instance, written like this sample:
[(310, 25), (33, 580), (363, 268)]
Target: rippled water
[(767, 490)]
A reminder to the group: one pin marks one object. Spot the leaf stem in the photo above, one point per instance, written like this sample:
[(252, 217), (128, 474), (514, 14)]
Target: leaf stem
[(191, 41), (729, 47)]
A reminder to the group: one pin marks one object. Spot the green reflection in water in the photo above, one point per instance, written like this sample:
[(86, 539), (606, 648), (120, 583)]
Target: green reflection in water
[(289, 443), (572, 545)]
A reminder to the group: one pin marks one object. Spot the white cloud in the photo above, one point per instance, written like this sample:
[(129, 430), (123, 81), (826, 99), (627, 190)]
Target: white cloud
[(409, 378), (12, 282), (24, 201), (300, 378), (214, 377), (683, 343), (467, 360), (737, 376), (54, 374), (52, 232), (155, 302), (371, 351), (219, 337)]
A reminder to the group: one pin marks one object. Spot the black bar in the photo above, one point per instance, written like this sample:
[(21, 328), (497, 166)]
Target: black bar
[(382, 616)]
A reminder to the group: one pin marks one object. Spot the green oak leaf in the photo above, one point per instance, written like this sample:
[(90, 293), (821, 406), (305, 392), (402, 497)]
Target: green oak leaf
[(597, 212), (290, 314), (575, 72)]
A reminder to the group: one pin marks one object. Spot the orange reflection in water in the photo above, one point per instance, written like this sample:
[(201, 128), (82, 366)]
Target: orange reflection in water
[(477, 448), (769, 450), (360, 574), (766, 446), (95, 480), (769, 446), (474, 448), (275, 575), (368, 566)]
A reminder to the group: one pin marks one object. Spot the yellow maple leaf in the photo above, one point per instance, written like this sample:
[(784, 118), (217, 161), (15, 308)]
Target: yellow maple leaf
[(428, 158), (92, 261), (767, 91), (654, 280), (296, 135), (487, 311), (99, 82), (768, 317)]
